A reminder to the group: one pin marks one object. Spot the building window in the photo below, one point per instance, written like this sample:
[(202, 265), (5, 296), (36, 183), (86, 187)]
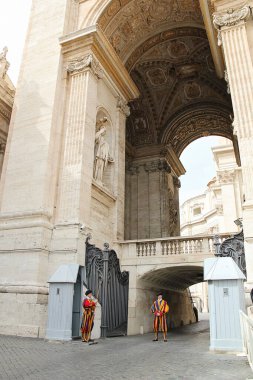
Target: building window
[(197, 211)]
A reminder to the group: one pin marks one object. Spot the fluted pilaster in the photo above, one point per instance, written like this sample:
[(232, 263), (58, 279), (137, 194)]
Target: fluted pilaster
[(80, 130)]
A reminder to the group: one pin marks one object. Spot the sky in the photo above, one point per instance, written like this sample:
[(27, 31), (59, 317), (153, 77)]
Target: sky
[(198, 161), (196, 158), (14, 17)]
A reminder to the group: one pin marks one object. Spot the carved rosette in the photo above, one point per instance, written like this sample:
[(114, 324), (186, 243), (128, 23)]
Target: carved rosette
[(81, 64), (231, 18), (123, 107)]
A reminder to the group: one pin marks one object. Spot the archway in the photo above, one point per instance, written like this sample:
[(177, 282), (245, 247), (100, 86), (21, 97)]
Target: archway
[(164, 46)]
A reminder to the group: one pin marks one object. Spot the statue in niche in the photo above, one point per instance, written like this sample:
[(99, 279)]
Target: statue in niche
[(4, 64), (102, 150)]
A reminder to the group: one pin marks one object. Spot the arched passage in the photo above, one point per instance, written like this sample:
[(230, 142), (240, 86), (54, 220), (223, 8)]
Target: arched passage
[(178, 277), (164, 46)]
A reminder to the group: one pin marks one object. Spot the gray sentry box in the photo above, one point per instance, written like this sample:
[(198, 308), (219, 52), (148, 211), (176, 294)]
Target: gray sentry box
[(226, 297), (64, 306)]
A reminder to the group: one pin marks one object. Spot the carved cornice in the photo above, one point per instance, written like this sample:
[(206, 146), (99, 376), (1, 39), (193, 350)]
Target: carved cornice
[(92, 41), (83, 63), (123, 107)]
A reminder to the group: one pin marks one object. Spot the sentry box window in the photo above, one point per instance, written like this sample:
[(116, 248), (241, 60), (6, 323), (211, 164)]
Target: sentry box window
[(225, 292)]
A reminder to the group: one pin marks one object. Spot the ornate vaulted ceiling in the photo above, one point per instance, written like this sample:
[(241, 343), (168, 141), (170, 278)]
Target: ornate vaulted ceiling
[(164, 46)]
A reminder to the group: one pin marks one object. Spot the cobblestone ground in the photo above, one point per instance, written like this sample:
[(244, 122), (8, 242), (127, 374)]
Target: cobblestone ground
[(184, 356)]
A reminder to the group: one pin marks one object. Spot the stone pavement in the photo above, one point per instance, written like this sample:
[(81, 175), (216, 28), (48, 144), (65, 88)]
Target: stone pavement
[(185, 356)]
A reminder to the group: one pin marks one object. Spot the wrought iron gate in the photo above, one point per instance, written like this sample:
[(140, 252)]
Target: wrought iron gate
[(110, 287)]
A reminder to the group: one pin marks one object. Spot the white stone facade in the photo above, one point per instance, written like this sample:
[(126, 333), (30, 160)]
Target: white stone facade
[(215, 211)]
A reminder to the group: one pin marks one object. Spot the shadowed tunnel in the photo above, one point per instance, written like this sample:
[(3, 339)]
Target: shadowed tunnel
[(176, 278)]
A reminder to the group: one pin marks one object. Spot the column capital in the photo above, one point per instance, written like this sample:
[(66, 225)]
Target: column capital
[(81, 64), (231, 17), (123, 107), (226, 176)]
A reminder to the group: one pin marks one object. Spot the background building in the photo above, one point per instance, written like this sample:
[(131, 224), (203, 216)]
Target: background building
[(214, 211)]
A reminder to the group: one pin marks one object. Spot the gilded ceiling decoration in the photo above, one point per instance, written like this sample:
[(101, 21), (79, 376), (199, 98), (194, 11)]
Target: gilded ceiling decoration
[(165, 48), (127, 23), (181, 97)]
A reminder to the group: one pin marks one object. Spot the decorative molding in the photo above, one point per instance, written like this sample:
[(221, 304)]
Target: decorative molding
[(4, 64), (123, 107), (156, 166), (83, 63), (132, 169), (226, 177), (102, 194), (126, 23), (231, 17)]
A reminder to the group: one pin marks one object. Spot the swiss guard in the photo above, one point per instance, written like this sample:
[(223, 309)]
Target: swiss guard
[(160, 308), (89, 306)]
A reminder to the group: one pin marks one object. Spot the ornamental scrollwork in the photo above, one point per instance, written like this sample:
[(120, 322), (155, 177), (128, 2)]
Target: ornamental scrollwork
[(231, 18), (87, 62)]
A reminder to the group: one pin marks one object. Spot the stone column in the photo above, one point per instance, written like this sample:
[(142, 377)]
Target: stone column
[(76, 174), (151, 200), (234, 35)]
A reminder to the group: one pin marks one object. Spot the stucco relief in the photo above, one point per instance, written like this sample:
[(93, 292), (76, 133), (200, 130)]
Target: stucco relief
[(126, 24), (196, 127), (159, 45), (82, 63), (192, 90), (226, 176), (169, 83), (4, 64)]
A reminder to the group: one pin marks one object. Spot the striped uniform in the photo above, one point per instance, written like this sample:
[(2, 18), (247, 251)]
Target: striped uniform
[(88, 319), (160, 308)]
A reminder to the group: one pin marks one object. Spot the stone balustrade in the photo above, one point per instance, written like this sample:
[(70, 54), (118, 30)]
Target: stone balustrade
[(180, 245)]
